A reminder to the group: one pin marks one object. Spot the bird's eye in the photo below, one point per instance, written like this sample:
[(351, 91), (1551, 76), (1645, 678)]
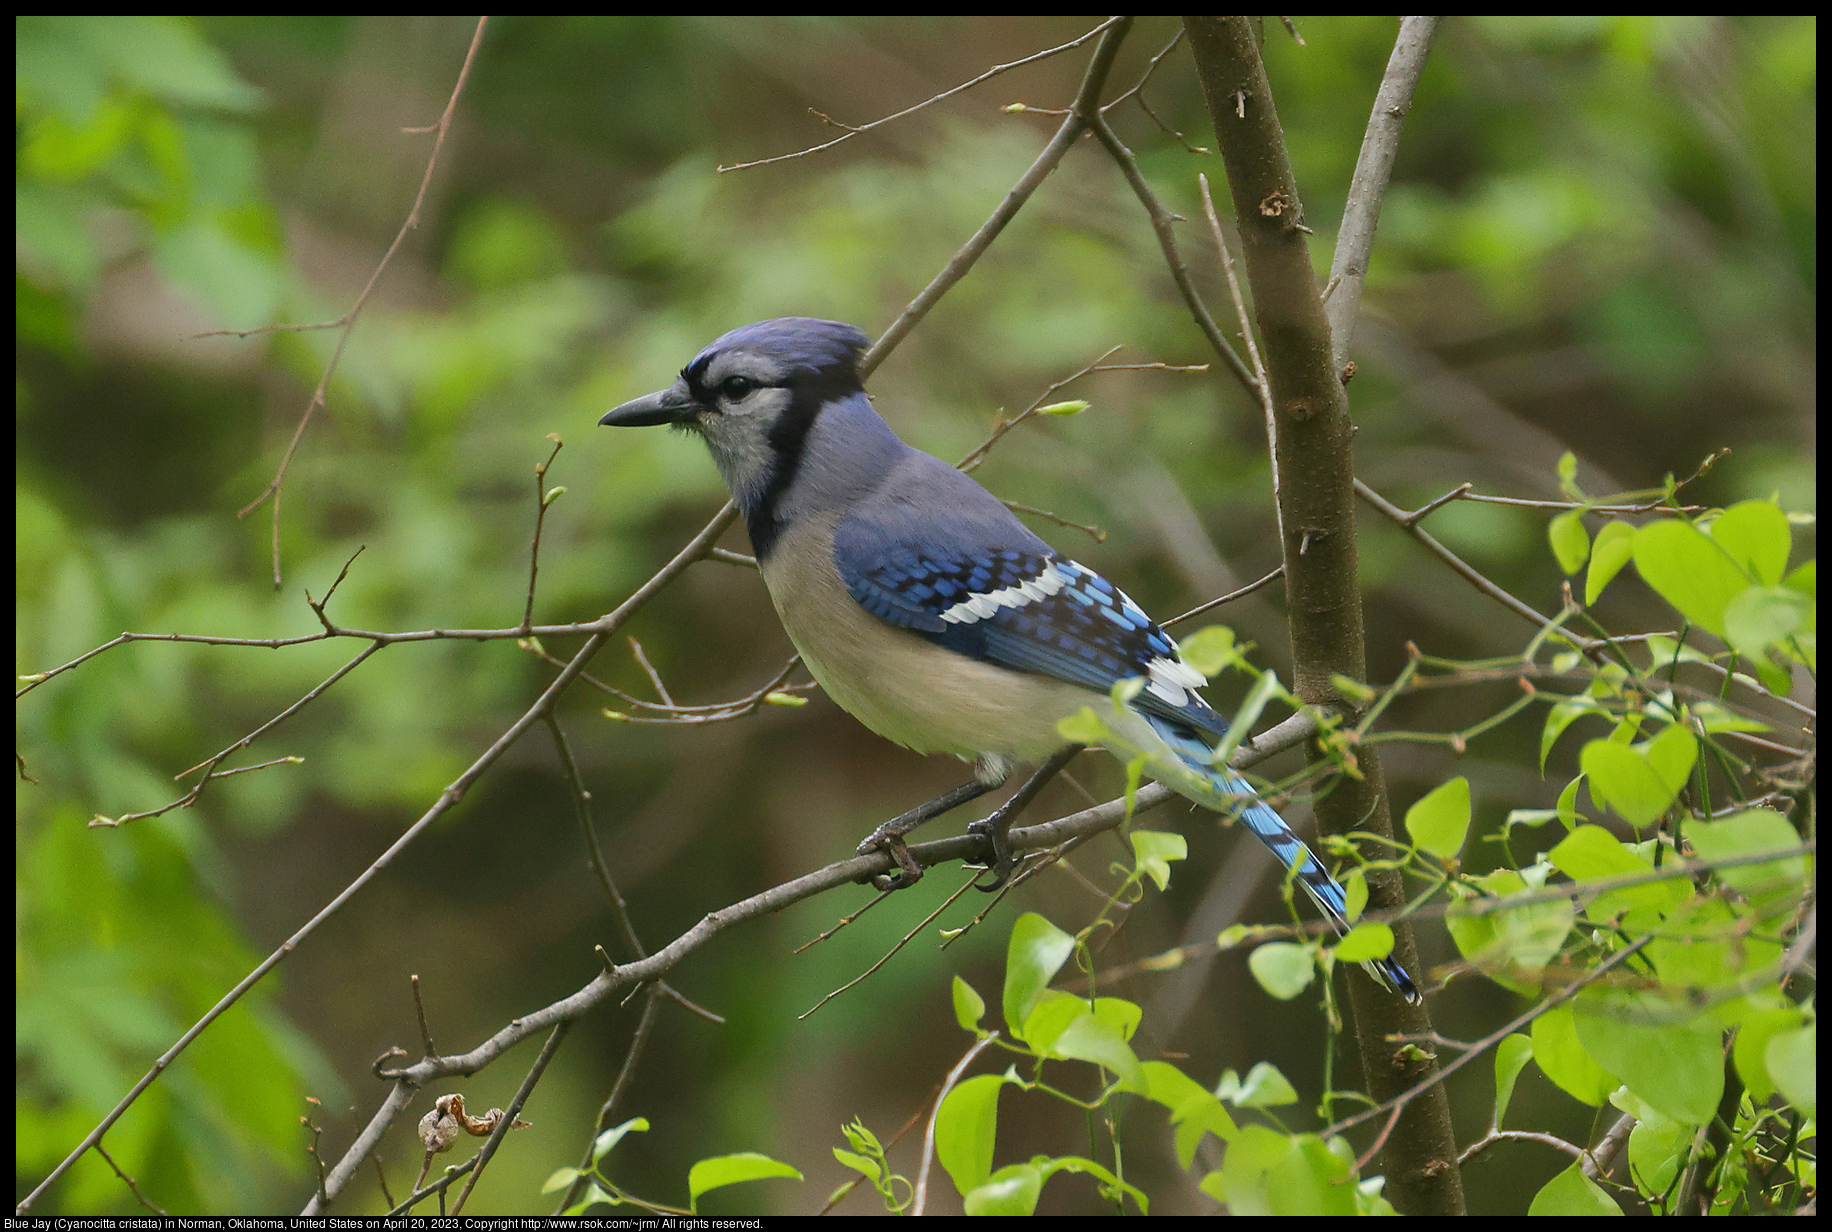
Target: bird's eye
[(734, 388)]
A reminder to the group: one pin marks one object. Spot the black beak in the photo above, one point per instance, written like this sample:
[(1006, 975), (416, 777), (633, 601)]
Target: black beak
[(671, 405)]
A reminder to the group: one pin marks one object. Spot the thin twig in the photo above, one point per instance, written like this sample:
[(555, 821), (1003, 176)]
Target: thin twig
[(138, 1196), (1373, 167), (1230, 597), (1150, 68), (928, 1137), (893, 951), (1161, 225), (541, 500), (655, 678), (1085, 109), (347, 323), (851, 131), (448, 798), (508, 1121), (1240, 305)]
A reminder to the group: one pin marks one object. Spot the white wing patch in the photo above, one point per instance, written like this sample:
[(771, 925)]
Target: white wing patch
[(979, 607), (1171, 678)]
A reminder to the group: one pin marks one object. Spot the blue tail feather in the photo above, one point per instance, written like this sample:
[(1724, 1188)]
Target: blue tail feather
[(1292, 851)]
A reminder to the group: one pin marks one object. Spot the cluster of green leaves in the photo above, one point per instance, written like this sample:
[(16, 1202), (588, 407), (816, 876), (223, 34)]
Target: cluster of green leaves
[(1267, 1169), (141, 121), (1706, 893), (713, 1172)]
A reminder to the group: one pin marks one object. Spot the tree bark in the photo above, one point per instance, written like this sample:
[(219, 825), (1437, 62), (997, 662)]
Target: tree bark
[(1311, 444)]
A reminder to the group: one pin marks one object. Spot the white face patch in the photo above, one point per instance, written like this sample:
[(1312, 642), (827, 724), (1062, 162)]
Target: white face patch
[(979, 607), (738, 429)]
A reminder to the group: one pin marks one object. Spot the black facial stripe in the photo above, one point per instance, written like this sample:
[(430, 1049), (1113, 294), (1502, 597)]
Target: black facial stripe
[(787, 440)]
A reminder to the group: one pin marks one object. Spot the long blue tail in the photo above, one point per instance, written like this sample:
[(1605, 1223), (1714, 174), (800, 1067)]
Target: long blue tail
[(1230, 793)]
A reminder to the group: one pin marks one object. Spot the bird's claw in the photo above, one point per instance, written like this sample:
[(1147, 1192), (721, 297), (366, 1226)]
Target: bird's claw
[(891, 844), (1003, 863)]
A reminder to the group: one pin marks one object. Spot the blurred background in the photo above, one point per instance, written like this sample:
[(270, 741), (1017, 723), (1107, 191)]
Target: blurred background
[(1600, 237)]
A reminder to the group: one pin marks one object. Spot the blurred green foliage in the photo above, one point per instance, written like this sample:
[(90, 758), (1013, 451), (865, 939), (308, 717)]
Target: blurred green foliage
[(1600, 236)]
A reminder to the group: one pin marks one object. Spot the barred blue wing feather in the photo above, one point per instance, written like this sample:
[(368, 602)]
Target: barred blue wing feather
[(1032, 611)]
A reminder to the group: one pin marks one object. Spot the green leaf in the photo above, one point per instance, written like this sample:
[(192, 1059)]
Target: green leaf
[(1063, 408), (1754, 533), (1439, 822), (1355, 893), (1111, 1186), (1365, 942), (1689, 571), (1750, 1050), (1570, 541), (1269, 1173), (872, 1170), (1568, 476), (1050, 1017), (969, 1007), (1764, 616), (1210, 650), (1282, 968), (1563, 1059), (966, 1126), (1559, 717), (602, 1144), (1793, 1062), (1153, 851), (1593, 852), (1640, 783), (1085, 727), (1245, 716), (1511, 1056), (1263, 1087), (1013, 1191), (1573, 1193), (1091, 1038), (1036, 952), (1771, 887), (1805, 579), (1677, 1067), (1194, 1110), (1513, 945), (722, 1170), (1614, 547)]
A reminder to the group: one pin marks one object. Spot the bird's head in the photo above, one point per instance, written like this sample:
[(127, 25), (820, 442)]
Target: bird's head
[(755, 395), (753, 374)]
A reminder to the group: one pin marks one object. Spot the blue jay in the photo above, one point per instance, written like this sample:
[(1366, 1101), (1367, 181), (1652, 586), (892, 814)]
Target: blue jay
[(924, 607)]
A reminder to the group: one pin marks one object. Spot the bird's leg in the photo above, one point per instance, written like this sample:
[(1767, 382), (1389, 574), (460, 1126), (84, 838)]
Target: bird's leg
[(996, 825), (889, 836)]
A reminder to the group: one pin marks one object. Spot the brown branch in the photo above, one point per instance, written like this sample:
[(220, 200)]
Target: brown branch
[(860, 869), (1311, 447)]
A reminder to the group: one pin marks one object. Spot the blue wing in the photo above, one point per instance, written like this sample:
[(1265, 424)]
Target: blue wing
[(1022, 606)]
